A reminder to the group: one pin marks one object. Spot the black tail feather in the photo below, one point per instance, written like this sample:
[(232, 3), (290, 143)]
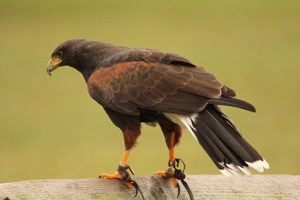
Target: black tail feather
[(224, 143), (228, 101), (219, 115), (220, 148), (210, 152)]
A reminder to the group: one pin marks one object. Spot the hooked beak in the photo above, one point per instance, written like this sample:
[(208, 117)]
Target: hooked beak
[(50, 68), (53, 64)]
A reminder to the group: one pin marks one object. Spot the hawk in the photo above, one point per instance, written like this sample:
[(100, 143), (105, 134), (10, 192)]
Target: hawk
[(136, 85)]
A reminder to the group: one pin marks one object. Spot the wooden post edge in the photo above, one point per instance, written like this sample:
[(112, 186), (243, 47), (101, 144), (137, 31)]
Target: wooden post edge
[(156, 187)]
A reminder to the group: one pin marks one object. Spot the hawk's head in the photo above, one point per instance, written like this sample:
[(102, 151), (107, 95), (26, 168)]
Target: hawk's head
[(65, 54)]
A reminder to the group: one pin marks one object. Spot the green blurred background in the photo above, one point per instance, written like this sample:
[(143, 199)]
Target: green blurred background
[(51, 128)]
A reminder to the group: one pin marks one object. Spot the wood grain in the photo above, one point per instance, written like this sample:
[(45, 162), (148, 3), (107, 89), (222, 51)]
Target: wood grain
[(156, 187)]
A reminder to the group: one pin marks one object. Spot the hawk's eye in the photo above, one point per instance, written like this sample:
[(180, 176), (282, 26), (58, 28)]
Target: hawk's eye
[(60, 54)]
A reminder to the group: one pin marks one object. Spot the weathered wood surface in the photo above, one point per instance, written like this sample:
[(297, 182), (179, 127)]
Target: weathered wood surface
[(155, 187)]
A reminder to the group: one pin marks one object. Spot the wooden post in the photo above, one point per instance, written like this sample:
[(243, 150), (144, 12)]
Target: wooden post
[(156, 187)]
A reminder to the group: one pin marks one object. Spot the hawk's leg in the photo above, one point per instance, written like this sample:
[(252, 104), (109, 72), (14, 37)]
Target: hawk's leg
[(130, 137), (172, 133)]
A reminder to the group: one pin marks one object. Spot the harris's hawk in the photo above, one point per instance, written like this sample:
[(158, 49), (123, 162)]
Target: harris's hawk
[(136, 85)]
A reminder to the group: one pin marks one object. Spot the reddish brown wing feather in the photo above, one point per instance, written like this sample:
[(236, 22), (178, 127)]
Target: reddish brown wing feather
[(127, 86)]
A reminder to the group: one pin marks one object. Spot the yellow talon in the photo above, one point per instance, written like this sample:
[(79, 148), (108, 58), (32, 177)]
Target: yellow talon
[(163, 173), (174, 181), (129, 184), (160, 173), (116, 175)]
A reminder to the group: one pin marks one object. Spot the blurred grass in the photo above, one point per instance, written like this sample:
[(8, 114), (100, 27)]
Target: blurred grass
[(51, 128)]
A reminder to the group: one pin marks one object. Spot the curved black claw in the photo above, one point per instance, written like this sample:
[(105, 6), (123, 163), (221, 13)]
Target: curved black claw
[(188, 189), (137, 189), (178, 188), (180, 175), (135, 185)]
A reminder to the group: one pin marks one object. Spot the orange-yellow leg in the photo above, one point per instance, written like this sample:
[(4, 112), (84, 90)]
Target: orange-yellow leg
[(169, 173), (117, 174)]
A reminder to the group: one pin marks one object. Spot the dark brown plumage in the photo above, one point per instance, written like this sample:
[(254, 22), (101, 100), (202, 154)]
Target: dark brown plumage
[(146, 85)]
